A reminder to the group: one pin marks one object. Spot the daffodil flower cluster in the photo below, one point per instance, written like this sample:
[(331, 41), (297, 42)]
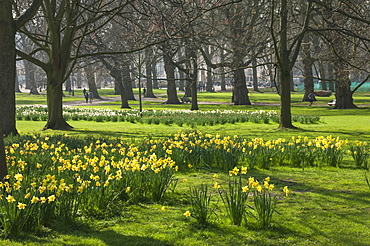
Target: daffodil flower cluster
[(62, 173), (196, 149), (169, 116), (235, 196), (45, 174)]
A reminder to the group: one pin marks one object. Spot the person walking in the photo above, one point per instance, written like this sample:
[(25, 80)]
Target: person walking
[(86, 95), (311, 98), (91, 96)]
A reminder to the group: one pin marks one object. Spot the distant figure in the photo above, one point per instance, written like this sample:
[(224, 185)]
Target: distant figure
[(185, 99), (91, 96), (86, 95), (84, 91), (144, 92), (311, 98)]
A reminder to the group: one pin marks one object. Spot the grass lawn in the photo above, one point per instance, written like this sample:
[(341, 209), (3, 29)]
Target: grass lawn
[(327, 206)]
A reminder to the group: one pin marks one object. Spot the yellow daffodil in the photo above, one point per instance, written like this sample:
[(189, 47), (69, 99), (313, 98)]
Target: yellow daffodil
[(215, 176), (245, 188), (216, 185), (259, 188), (244, 170), (255, 184), (51, 198), (21, 205), (10, 198), (163, 208), (35, 199), (187, 213), (18, 177), (185, 180), (128, 189), (286, 190)]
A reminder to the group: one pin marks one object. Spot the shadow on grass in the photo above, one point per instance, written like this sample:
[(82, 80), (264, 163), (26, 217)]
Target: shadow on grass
[(83, 234), (242, 235), (336, 214)]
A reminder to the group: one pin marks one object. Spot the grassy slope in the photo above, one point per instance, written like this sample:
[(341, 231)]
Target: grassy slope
[(326, 207)]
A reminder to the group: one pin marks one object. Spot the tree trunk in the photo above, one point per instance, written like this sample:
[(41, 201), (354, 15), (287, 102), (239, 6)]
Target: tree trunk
[(209, 85), (291, 81), (284, 71), (342, 56), (285, 100), (155, 78), (149, 82), (188, 86), (331, 76), (116, 74), (343, 92), (222, 71), (55, 107), (323, 78), (240, 88), (7, 69), (90, 77), (255, 78), (170, 74), (307, 68), (116, 89), (182, 81), (271, 74), (127, 82), (98, 78), (79, 79), (68, 85), (194, 92)]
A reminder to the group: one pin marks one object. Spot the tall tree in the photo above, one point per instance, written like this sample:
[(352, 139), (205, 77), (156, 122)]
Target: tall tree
[(287, 49), (170, 74), (8, 28), (151, 58), (91, 81), (307, 67), (115, 71)]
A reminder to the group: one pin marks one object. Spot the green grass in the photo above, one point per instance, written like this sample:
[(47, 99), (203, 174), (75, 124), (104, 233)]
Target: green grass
[(345, 127), (327, 206)]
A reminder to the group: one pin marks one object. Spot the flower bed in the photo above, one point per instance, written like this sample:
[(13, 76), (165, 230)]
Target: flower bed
[(62, 178), (168, 117)]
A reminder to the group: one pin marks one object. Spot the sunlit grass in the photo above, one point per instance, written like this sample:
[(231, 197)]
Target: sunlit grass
[(327, 206), (346, 127)]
